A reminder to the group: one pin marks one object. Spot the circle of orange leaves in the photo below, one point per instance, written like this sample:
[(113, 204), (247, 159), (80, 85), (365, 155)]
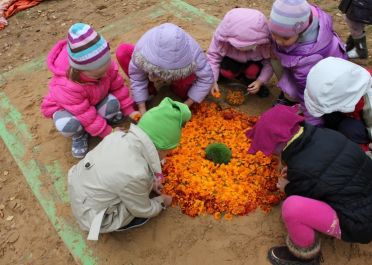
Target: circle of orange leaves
[(199, 186)]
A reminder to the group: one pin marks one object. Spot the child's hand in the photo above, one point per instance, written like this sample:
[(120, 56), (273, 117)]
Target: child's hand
[(157, 187), (142, 107), (189, 102), (254, 87), (282, 182), (215, 89), (167, 200), (135, 115), (283, 172)]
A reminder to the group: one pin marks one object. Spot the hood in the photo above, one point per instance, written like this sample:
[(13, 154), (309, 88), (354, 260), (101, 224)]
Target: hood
[(324, 39), (335, 84), (58, 59), (166, 46), (242, 27)]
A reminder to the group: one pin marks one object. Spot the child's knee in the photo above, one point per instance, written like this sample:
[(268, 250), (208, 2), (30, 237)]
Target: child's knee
[(109, 107), (66, 123), (252, 71), (228, 74), (291, 207)]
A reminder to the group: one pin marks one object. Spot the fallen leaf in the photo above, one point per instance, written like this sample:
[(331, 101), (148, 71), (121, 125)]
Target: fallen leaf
[(13, 237), (10, 218), (5, 173)]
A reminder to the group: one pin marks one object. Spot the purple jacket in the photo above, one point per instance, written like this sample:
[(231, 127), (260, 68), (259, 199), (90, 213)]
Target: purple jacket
[(298, 59), (241, 27), (180, 51)]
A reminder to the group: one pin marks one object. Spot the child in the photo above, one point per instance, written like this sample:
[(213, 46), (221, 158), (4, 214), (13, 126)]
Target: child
[(341, 92), (357, 15), (86, 88), (166, 54), (327, 177), (241, 48), (303, 35), (109, 189)]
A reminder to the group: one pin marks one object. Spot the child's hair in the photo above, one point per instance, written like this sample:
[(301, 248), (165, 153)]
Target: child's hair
[(73, 75)]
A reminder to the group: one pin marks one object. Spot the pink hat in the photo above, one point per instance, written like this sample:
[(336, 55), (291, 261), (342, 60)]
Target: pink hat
[(289, 17), (276, 126)]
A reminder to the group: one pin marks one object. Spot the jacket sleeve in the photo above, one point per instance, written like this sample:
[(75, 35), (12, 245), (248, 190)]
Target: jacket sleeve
[(302, 185), (139, 83), (120, 91), (215, 57), (302, 68), (135, 196), (267, 71), (204, 78)]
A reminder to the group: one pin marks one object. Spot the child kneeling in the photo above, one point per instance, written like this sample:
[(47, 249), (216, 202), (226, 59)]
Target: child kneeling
[(86, 89), (328, 179), (109, 189), (240, 49)]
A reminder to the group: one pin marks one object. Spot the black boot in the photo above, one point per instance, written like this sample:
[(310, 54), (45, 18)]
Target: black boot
[(360, 51), (349, 43), (282, 100), (264, 92), (294, 255)]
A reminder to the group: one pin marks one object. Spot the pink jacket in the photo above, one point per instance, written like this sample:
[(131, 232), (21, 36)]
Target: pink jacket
[(80, 99), (241, 27)]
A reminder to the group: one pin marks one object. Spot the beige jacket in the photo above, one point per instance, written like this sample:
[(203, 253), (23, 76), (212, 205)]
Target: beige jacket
[(111, 185)]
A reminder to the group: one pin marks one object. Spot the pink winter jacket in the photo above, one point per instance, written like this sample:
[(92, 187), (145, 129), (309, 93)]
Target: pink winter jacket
[(80, 99), (241, 27)]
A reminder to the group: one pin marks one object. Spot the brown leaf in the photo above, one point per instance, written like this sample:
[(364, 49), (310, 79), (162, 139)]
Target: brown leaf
[(13, 237)]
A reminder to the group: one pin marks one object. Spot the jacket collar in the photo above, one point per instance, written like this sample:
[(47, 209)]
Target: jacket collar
[(298, 144), (148, 149)]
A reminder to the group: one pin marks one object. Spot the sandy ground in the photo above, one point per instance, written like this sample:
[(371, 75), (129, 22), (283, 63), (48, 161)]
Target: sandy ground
[(172, 238)]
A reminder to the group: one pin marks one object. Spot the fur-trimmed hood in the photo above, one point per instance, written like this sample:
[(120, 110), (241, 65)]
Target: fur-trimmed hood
[(168, 52), (165, 51), (164, 74)]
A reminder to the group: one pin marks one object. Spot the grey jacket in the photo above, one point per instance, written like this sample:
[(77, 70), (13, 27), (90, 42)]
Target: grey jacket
[(111, 185)]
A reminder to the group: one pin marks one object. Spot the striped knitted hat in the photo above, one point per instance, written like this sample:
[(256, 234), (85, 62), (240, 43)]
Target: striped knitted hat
[(289, 17), (87, 49)]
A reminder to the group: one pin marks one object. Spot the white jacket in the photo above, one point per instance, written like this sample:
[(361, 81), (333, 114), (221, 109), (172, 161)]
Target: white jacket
[(111, 185)]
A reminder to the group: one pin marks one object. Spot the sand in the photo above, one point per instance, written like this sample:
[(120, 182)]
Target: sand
[(171, 238)]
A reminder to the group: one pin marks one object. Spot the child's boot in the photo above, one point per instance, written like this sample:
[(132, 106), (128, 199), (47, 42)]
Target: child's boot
[(360, 50), (264, 92), (282, 100), (79, 145), (349, 43), (294, 255)]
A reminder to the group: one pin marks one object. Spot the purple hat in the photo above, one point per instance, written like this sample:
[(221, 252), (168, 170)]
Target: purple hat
[(276, 126), (289, 17), (87, 49)]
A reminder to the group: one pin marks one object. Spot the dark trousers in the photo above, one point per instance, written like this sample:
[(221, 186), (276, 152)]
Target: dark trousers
[(352, 128)]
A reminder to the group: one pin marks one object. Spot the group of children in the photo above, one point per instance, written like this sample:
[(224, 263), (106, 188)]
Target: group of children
[(109, 188)]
